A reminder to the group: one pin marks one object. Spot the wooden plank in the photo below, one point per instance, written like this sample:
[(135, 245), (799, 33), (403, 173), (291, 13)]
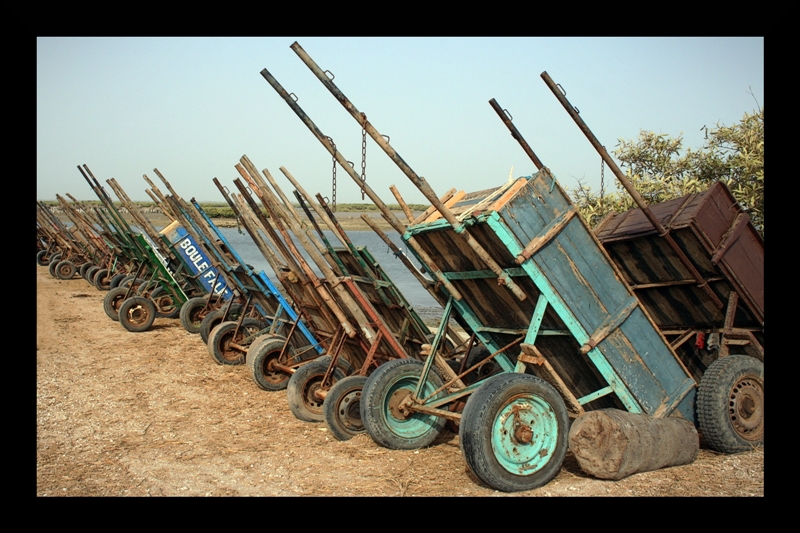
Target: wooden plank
[(584, 277), (448, 204), (578, 275), (564, 310)]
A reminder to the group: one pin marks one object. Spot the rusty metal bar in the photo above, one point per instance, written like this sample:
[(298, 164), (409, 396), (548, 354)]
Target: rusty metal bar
[(485, 360), (502, 277), (505, 116), (682, 337), (662, 232)]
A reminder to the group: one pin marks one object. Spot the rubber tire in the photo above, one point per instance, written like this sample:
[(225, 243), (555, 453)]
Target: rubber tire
[(212, 319), (115, 281), (55, 258), (731, 386), (146, 289), (300, 389), (137, 314), (191, 314), (222, 335), (477, 354), (166, 300), (88, 275), (42, 259), (101, 280), (345, 365), (417, 431), (65, 270), (83, 268), (131, 280), (260, 353), (485, 432), (342, 407), (113, 301), (52, 268), (209, 322)]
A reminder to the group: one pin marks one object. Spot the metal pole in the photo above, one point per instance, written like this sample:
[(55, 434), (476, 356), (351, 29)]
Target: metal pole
[(505, 116)]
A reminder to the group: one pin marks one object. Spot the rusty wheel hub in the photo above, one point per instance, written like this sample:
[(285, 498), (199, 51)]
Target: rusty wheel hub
[(523, 434), (398, 404), (746, 407), (138, 314), (314, 395)]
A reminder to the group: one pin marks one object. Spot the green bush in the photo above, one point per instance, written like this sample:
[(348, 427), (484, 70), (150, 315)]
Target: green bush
[(657, 168)]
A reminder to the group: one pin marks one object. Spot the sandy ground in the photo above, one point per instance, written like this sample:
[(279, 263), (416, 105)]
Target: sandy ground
[(150, 414)]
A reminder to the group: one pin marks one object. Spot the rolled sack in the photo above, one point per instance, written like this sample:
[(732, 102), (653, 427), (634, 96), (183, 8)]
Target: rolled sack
[(613, 444)]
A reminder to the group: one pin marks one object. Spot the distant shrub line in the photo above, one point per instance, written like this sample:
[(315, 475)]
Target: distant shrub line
[(223, 210)]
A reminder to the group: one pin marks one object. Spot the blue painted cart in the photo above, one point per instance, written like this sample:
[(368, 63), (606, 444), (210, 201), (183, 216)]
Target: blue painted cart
[(264, 314), (230, 340)]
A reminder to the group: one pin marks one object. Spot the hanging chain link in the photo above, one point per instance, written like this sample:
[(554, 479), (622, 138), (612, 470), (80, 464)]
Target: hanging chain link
[(602, 179), (333, 179), (363, 155)]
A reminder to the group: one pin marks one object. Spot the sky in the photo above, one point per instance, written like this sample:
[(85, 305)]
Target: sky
[(191, 107)]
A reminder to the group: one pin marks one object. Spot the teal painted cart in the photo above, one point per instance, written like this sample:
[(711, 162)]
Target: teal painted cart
[(578, 339), (558, 330)]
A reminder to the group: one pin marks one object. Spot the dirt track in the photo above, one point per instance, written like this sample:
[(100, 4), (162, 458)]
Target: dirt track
[(150, 414)]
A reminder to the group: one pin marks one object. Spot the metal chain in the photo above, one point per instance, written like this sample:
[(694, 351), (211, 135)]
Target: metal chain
[(333, 180), (602, 179), (363, 156)]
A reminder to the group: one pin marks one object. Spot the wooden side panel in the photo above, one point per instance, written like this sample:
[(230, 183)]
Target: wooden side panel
[(593, 291), (489, 305), (703, 224)]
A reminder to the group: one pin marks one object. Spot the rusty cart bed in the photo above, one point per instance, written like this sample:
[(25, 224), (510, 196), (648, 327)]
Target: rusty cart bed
[(697, 265), (717, 334)]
